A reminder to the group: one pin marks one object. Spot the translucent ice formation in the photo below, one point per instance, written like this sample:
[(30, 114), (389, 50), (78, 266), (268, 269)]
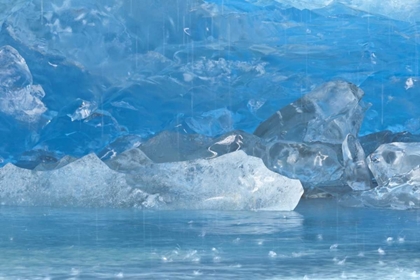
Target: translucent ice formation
[(313, 164), (129, 160), (232, 182), (172, 146), (356, 171), (326, 115), (19, 98), (308, 139), (372, 141), (86, 182), (396, 168), (392, 163)]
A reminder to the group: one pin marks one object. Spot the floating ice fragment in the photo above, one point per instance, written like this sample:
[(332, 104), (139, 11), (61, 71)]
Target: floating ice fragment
[(409, 83), (272, 254), (334, 247)]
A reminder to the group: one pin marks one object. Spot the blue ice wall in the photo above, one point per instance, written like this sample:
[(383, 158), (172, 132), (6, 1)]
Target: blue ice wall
[(80, 75)]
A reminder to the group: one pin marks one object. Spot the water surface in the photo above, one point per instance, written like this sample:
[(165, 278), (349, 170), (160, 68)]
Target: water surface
[(319, 240)]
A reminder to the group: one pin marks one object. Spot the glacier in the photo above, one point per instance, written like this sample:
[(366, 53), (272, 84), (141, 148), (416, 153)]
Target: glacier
[(101, 107)]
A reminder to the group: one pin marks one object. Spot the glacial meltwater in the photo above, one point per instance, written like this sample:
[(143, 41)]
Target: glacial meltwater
[(319, 240)]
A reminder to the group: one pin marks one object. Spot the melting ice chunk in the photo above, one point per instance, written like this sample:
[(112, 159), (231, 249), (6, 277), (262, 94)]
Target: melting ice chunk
[(86, 182), (233, 182), (392, 163), (326, 114), (18, 97)]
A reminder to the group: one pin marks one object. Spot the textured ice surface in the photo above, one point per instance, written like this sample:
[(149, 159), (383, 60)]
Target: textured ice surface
[(326, 115), (44, 166), (86, 182), (232, 182), (392, 164), (356, 170), (371, 142), (396, 168), (19, 98), (115, 68), (129, 160), (313, 164), (173, 146)]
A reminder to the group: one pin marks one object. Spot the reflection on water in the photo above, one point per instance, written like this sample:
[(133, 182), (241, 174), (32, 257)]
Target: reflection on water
[(245, 223), (320, 240)]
